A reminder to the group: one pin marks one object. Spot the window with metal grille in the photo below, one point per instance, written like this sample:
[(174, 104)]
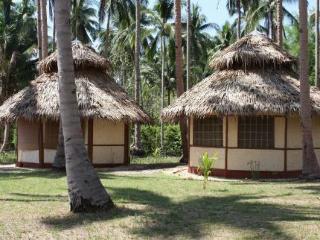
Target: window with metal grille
[(256, 132), (208, 132)]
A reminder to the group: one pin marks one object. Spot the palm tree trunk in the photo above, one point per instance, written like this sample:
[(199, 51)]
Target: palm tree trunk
[(5, 137), (39, 31), (279, 23), (59, 161), (179, 77), (86, 192), (137, 127), (44, 28), (310, 163), (317, 63), (239, 19), (188, 42)]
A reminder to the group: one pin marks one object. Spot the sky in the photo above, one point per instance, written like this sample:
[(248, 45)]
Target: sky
[(216, 11)]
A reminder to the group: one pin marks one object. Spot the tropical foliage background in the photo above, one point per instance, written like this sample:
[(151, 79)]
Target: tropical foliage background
[(109, 26)]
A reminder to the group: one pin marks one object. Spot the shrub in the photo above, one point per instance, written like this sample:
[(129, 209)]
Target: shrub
[(205, 165), (172, 140), (150, 138)]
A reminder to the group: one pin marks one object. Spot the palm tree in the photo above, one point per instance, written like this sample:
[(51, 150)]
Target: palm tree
[(137, 128), (17, 38), (83, 21), (265, 10), (317, 59), (179, 77), (44, 28), (279, 22), (310, 163), (235, 6), (86, 192), (52, 18), (112, 8), (164, 10)]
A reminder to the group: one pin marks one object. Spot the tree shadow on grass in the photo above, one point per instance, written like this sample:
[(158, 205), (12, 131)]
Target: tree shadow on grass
[(192, 217), (26, 198), (23, 173), (312, 189)]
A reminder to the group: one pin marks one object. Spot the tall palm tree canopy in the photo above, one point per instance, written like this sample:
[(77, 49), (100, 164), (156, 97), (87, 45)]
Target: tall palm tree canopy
[(253, 76)]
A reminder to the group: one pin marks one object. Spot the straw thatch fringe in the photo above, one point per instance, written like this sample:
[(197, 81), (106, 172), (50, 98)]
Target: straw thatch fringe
[(252, 51), (241, 93), (84, 57), (98, 97)]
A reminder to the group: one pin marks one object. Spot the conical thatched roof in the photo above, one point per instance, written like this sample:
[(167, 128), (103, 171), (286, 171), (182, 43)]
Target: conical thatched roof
[(252, 51), (239, 91), (84, 57), (99, 96)]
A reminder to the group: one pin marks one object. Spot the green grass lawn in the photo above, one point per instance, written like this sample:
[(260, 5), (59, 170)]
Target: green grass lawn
[(34, 205)]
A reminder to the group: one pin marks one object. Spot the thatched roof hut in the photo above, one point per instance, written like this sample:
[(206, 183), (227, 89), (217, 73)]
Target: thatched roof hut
[(99, 96), (251, 76), (247, 110), (105, 110)]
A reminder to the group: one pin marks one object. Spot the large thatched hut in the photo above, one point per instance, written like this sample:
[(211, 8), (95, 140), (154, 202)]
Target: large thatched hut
[(105, 109), (247, 112)]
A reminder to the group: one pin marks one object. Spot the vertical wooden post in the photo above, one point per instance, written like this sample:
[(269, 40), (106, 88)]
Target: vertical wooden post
[(90, 139), (126, 144), (226, 145), (41, 150), (285, 142)]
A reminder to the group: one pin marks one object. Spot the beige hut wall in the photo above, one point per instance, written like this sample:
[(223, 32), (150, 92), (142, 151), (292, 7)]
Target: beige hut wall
[(28, 141), (108, 142), (269, 159)]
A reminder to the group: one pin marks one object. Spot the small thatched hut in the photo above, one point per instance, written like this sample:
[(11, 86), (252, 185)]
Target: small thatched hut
[(104, 107), (247, 111)]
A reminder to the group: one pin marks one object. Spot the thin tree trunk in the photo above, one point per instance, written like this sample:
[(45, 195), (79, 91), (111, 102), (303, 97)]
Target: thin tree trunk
[(279, 23), (39, 31), (179, 77), (188, 42), (44, 28), (310, 163), (59, 161), (162, 88), (86, 192), (239, 19), (317, 59), (108, 30), (5, 137), (137, 127)]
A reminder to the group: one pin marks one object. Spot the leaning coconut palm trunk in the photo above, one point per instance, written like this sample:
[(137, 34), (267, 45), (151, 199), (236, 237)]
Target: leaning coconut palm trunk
[(59, 161), (310, 163), (179, 78), (86, 193)]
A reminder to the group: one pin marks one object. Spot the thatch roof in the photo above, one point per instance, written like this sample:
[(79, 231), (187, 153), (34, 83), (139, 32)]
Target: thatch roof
[(269, 90), (99, 96), (252, 51), (84, 57)]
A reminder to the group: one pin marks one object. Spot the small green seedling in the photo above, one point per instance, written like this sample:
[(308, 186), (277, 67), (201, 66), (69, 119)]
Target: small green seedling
[(206, 163)]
